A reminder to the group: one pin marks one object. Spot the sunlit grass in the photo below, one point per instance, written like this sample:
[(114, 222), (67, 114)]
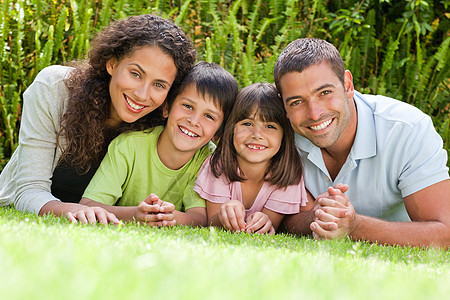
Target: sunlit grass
[(48, 258)]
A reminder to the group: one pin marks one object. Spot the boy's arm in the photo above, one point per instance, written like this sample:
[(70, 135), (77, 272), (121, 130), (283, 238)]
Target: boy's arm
[(151, 211)]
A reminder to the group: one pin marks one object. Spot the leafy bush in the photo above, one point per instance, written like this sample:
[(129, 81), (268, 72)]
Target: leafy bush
[(396, 48)]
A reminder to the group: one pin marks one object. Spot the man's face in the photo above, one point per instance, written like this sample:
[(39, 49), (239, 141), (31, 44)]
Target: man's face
[(317, 104)]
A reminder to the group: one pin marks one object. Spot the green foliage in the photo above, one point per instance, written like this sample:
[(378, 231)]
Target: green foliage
[(396, 48), (48, 258)]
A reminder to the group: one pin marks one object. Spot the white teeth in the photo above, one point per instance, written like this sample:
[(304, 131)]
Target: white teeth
[(187, 132), (321, 126), (256, 147), (133, 105)]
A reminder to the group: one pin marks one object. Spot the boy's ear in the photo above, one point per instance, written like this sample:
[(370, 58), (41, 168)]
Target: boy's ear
[(165, 109), (215, 139)]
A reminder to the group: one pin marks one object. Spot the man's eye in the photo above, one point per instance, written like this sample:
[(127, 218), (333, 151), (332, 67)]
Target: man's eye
[(325, 92), (296, 102)]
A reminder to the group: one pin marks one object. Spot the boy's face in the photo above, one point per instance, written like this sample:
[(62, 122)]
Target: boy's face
[(192, 121)]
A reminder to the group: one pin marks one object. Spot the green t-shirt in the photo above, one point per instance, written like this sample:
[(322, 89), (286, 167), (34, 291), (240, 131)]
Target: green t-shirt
[(131, 170)]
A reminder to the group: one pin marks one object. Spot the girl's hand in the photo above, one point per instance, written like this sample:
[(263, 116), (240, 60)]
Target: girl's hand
[(155, 212), (90, 215), (259, 222), (231, 215)]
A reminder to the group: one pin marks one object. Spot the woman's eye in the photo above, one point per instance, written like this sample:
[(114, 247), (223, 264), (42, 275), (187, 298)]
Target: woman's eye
[(135, 74)]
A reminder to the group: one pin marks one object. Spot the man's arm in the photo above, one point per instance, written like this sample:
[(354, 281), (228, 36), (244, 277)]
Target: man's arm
[(429, 210)]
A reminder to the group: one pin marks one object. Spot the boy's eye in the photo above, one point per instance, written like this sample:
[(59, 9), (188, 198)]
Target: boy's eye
[(210, 117), (188, 106)]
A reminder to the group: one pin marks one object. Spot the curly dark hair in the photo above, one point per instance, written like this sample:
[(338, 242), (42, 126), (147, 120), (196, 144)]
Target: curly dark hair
[(84, 125)]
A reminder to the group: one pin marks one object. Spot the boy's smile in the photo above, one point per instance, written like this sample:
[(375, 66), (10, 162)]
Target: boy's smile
[(191, 123)]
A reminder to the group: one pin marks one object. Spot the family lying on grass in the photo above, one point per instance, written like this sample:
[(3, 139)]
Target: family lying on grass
[(128, 135)]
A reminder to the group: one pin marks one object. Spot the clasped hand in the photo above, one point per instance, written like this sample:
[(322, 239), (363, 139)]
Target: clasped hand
[(232, 217), (155, 212), (334, 214)]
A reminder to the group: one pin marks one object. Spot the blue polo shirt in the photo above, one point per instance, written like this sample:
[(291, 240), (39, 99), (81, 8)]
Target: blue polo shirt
[(396, 153)]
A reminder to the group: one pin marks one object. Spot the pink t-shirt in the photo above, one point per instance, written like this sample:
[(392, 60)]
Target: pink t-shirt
[(218, 190)]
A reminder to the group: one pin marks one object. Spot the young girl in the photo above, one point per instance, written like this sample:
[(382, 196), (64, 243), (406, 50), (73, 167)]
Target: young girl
[(71, 114), (254, 177)]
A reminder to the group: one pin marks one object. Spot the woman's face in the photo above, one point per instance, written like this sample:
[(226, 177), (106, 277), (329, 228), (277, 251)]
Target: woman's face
[(139, 83)]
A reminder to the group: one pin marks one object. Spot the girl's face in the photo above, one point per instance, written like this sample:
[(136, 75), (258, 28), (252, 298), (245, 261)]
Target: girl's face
[(139, 83), (256, 141)]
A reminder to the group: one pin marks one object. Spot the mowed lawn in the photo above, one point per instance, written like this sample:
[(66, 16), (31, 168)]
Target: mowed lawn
[(49, 258)]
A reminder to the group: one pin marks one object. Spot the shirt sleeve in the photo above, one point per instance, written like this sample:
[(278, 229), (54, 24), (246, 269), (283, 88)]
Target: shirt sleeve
[(288, 200), (112, 174), (43, 104), (426, 162), (211, 188)]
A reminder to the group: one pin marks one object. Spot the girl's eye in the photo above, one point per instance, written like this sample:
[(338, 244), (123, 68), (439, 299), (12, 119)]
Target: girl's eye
[(246, 123), (210, 117), (270, 126)]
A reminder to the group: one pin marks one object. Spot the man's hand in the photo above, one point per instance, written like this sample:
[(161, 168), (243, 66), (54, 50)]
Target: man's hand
[(335, 216)]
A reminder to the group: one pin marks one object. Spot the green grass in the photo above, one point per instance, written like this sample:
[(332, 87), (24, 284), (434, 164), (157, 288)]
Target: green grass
[(49, 258)]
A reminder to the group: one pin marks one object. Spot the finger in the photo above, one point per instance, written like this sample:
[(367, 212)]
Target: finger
[(101, 217), (223, 217), (240, 217), (169, 223), (81, 217), (71, 218), (320, 232), (265, 228), (258, 222), (150, 208), (167, 207), (342, 187), (271, 231), (111, 218), (151, 199), (325, 217), (165, 217), (330, 226), (336, 201), (334, 211), (232, 218)]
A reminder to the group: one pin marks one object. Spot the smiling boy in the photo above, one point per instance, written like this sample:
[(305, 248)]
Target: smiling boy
[(148, 176)]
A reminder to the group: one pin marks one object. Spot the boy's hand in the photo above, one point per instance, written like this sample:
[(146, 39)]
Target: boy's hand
[(232, 214), (155, 212), (259, 222)]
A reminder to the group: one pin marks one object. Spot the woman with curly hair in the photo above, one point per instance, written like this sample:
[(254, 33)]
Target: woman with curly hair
[(70, 114)]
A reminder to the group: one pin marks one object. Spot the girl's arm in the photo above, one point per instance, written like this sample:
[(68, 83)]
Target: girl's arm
[(229, 215), (195, 216)]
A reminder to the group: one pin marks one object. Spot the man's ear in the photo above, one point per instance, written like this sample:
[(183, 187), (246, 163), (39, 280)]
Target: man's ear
[(165, 109), (348, 83), (110, 64)]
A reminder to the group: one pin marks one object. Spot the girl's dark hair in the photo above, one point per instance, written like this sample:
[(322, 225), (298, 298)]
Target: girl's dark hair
[(261, 100), (212, 80), (84, 124)]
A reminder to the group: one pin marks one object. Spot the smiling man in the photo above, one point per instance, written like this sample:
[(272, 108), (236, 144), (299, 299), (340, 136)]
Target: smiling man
[(386, 151)]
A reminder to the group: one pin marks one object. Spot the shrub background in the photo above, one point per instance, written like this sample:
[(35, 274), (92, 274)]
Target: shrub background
[(395, 48)]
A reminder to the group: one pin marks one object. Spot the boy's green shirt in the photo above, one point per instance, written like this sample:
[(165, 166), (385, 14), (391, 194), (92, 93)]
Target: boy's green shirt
[(131, 170)]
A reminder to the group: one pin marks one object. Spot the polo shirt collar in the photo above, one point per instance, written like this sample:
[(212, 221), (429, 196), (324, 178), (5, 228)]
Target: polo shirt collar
[(365, 144)]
